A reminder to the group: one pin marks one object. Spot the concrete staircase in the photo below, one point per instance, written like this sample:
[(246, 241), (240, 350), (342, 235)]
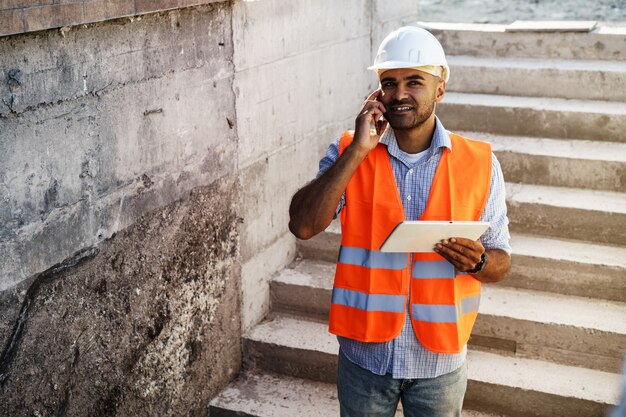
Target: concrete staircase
[(550, 338)]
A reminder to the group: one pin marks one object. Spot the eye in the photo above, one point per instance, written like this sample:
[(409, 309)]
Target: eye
[(388, 84)]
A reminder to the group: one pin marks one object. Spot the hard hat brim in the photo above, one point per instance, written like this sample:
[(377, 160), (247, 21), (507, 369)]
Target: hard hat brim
[(389, 65)]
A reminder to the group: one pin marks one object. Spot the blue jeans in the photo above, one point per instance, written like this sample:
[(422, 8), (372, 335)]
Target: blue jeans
[(365, 394)]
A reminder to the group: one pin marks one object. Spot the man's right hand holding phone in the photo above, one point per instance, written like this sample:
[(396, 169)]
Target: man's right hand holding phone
[(370, 124)]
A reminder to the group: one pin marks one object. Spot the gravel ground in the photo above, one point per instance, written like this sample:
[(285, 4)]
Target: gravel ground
[(507, 11)]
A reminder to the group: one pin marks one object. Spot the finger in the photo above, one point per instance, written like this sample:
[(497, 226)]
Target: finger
[(374, 104), (374, 94), (450, 259), (449, 252), (472, 253), (469, 243), (372, 112), (380, 106), (460, 260)]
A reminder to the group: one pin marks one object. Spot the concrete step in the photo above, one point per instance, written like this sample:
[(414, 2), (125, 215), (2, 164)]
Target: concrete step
[(567, 267), (303, 288), (534, 116), (561, 163), (569, 330), (574, 331), (559, 266), (490, 40), (525, 387), (497, 384), (262, 394), (324, 246), (571, 79), (258, 394), (589, 215)]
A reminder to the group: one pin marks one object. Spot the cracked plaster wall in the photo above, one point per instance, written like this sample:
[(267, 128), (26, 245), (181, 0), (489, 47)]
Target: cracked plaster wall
[(119, 217)]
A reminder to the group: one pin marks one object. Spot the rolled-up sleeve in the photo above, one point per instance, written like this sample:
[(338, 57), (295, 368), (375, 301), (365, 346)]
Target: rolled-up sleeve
[(497, 235), (332, 154)]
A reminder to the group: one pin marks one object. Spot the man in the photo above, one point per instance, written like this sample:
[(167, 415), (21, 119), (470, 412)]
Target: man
[(403, 320)]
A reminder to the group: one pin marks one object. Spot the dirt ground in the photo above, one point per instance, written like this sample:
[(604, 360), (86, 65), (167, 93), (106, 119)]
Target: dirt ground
[(507, 11)]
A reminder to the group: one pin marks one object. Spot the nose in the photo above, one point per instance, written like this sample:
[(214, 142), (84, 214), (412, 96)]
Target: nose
[(400, 93)]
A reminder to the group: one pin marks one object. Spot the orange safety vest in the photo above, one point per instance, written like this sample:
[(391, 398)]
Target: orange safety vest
[(370, 288)]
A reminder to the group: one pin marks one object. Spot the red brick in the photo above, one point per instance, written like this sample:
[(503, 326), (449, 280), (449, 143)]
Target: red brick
[(17, 4), (145, 6), (54, 16), (11, 22), (99, 10)]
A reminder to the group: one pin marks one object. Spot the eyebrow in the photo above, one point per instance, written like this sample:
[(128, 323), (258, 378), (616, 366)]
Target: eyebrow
[(410, 77)]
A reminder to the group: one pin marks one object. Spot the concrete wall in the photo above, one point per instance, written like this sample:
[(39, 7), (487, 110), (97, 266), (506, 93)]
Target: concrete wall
[(300, 78), (116, 143), (20, 16), (146, 169)]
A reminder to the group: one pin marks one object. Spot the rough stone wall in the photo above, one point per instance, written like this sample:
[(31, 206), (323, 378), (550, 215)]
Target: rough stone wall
[(119, 217)]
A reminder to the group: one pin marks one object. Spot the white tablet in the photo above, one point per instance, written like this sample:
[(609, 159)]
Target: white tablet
[(422, 236)]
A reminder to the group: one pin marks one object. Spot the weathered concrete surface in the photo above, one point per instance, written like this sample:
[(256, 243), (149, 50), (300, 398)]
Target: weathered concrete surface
[(573, 164), (589, 215), (260, 394), (304, 288), (563, 329), (20, 16), (557, 266), (569, 330), (604, 43), (292, 100), (146, 324), (120, 119), (550, 78), (498, 11), (565, 267), (534, 116), (303, 348), (119, 217)]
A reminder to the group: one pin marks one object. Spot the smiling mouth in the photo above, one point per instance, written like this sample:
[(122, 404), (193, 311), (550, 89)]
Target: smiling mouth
[(401, 109)]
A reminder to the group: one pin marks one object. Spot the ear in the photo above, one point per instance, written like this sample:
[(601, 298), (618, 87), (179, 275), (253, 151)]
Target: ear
[(441, 91)]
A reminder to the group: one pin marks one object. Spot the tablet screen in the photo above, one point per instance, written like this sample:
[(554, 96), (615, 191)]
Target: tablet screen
[(422, 236)]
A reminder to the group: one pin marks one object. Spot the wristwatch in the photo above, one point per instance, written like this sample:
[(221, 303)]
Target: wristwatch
[(480, 265)]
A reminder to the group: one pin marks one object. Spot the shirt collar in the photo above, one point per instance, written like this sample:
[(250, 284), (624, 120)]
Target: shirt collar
[(441, 139)]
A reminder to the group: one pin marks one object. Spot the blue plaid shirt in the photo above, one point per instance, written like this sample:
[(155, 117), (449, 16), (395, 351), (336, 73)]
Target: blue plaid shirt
[(404, 357)]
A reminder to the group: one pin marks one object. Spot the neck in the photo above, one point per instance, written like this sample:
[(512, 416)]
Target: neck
[(417, 139)]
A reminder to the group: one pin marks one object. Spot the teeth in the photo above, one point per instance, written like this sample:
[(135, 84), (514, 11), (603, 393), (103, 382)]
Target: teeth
[(402, 108)]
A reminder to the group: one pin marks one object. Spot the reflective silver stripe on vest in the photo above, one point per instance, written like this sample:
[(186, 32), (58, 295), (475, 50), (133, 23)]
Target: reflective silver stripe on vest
[(445, 313), (433, 269), (372, 258), (368, 302)]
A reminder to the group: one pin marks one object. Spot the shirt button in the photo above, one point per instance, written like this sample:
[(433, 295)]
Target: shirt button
[(411, 171), (408, 197)]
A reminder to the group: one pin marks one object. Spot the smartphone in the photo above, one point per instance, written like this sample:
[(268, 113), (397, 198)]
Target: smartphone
[(379, 126)]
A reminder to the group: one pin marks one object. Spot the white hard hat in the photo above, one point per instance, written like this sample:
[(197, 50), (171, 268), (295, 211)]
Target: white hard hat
[(411, 47)]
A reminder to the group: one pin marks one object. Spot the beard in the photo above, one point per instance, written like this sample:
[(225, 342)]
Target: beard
[(410, 121)]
